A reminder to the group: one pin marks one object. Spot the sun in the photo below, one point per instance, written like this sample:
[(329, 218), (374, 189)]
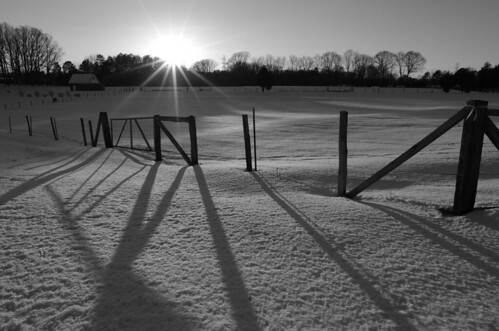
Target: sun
[(175, 50)]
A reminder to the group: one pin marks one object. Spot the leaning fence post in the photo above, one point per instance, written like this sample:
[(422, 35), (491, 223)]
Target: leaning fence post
[(54, 128), (56, 131), (83, 131), (343, 154), (247, 143), (157, 138), (92, 138), (470, 157), (30, 127)]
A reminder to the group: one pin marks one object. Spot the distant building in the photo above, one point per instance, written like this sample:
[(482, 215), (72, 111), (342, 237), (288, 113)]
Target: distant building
[(85, 82)]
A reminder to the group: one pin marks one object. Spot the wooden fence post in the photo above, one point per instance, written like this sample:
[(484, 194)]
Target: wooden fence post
[(106, 131), (254, 136), (194, 140), (54, 128), (30, 125), (343, 154), (470, 157), (247, 143), (131, 134), (92, 139), (10, 125), (83, 131), (157, 138), (56, 131)]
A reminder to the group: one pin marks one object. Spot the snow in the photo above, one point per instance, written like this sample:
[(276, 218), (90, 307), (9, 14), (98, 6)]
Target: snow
[(109, 239)]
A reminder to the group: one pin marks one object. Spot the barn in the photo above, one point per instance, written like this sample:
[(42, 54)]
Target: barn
[(85, 82)]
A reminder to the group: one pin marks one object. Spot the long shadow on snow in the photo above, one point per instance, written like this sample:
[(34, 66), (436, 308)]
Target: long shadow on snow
[(75, 156), (89, 177), (136, 156), (109, 192), (100, 182), (349, 267), (46, 177), (242, 310), (478, 216), (421, 225), (126, 302)]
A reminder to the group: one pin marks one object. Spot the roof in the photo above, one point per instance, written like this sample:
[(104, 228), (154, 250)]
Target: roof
[(83, 79)]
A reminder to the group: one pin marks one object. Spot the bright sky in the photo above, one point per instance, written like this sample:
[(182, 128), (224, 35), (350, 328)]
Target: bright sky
[(446, 32)]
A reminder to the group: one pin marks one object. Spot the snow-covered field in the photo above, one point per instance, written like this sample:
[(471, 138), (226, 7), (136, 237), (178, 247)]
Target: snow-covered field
[(108, 239)]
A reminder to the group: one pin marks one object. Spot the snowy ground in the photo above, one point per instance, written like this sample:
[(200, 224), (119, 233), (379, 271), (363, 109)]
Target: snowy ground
[(108, 239)]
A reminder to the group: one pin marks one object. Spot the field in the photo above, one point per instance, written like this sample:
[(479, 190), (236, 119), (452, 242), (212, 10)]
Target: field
[(109, 239)]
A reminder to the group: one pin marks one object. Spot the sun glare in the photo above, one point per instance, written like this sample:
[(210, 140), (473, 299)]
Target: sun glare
[(175, 50)]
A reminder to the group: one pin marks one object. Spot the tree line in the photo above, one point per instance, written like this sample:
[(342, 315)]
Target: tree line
[(28, 55), (329, 68)]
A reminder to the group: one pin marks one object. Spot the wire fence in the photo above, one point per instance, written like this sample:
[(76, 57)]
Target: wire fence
[(297, 139)]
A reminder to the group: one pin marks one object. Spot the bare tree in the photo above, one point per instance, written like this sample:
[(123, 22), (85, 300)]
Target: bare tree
[(414, 62), (360, 64), (385, 61), (224, 63), (26, 51), (204, 66), (306, 63), (330, 61), (400, 59), (238, 59), (348, 58), (256, 63), (294, 62), (54, 54), (4, 65), (268, 62), (279, 63)]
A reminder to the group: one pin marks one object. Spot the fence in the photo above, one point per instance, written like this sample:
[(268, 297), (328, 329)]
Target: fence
[(158, 127), (133, 133), (476, 124)]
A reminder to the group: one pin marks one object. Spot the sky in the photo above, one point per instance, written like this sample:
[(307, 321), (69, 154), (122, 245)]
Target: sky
[(448, 33)]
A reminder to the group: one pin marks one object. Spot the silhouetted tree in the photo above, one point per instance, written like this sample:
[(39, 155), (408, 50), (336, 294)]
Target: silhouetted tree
[(27, 53), (264, 79), (329, 61), (68, 68), (306, 63), (238, 60), (86, 66), (360, 64), (204, 66), (385, 62), (293, 63), (413, 62), (400, 59), (465, 79), (446, 81), (485, 77), (348, 58)]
